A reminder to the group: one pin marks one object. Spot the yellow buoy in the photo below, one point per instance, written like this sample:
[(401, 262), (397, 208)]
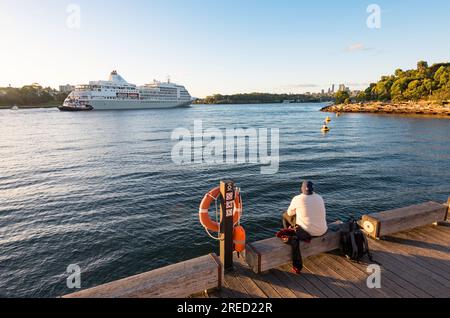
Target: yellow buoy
[(325, 128), (328, 119)]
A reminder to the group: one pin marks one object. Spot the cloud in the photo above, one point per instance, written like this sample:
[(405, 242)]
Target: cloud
[(358, 47)]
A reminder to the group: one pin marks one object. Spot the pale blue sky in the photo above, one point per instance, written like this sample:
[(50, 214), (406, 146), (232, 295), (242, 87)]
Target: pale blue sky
[(219, 46)]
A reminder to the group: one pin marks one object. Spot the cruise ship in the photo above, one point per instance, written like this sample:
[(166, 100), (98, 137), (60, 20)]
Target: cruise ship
[(116, 93)]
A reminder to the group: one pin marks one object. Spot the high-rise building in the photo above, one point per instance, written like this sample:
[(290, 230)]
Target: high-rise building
[(332, 88), (66, 88)]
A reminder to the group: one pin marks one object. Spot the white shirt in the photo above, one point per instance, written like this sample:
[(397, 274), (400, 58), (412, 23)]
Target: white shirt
[(310, 212)]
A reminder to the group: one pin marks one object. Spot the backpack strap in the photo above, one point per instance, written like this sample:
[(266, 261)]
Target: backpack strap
[(369, 255), (354, 246)]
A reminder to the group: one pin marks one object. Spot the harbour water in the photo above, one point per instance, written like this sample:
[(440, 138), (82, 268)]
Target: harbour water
[(100, 189)]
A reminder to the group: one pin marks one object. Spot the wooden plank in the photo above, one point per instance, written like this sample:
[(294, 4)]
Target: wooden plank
[(176, 281), (341, 286), (272, 253), (389, 282), (302, 282), (314, 278), (427, 258), (243, 275), (267, 288), (431, 237), (399, 285), (358, 286), (440, 242), (387, 257), (224, 292), (443, 233), (384, 223), (407, 254), (298, 290), (276, 284), (427, 237), (235, 285), (252, 289)]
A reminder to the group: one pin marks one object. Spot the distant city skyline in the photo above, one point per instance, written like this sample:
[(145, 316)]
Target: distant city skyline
[(218, 46)]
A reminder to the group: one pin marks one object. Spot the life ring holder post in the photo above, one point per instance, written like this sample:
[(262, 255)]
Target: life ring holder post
[(227, 194)]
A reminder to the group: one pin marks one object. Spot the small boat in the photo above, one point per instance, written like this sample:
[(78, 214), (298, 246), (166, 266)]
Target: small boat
[(75, 108), (15, 108)]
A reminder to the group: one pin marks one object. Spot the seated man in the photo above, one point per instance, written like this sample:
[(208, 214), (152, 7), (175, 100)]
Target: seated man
[(307, 212)]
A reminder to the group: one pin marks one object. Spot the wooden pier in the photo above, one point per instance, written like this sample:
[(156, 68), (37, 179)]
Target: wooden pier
[(414, 263)]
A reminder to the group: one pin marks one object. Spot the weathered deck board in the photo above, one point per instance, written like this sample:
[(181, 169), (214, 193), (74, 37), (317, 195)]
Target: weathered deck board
[(414, 264), (302, 282), (393, 221), (314, 279), (334, 268), (341, 287), (424, 261), (405, 268), (175, 281), (359, 271)]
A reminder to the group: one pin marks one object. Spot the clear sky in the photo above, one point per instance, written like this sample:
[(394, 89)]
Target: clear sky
[(219, 46)]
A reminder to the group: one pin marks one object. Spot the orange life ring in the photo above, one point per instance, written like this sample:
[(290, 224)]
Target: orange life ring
[(208, 199), (239, 239)]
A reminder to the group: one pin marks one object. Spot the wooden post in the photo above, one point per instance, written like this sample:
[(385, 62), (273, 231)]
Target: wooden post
[(226, 224)]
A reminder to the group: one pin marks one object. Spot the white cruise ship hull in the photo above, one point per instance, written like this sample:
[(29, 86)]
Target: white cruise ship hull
[(137, 104)]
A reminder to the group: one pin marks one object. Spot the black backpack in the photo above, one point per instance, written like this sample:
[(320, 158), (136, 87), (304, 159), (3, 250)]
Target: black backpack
[(354, 243)]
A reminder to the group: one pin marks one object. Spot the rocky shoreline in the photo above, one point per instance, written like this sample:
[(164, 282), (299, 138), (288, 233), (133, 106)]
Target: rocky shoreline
[(402, 108)]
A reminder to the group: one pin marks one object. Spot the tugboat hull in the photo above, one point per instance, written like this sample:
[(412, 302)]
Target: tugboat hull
[(75, 109)]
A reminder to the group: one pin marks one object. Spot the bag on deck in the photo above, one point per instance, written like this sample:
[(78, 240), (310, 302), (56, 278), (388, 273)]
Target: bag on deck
[(354, 243)]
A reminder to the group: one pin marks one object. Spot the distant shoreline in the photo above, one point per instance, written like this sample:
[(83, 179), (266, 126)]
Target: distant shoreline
[(263, 103), (29, 107), (425, 108)]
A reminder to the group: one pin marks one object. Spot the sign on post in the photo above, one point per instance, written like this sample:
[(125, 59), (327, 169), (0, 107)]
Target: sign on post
[(226, 224)]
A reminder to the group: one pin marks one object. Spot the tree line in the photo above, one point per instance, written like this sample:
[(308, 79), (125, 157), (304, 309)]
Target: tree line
[(31, 95), (259, 98), (423, 83)]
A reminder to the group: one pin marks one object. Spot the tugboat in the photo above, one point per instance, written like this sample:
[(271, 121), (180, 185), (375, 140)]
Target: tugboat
[(84, 108)]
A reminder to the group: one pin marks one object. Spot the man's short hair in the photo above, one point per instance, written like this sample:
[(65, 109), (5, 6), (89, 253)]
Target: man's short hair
[(307, 188)]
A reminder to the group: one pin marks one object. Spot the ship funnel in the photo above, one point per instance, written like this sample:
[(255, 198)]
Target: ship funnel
[(115, 77)]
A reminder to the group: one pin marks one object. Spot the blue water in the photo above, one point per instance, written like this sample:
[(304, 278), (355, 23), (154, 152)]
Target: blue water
[(100, 190)]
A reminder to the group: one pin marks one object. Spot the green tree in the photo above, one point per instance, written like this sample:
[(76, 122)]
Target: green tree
[(422, 66), (425, 82), (361, 97), (341, 97)]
